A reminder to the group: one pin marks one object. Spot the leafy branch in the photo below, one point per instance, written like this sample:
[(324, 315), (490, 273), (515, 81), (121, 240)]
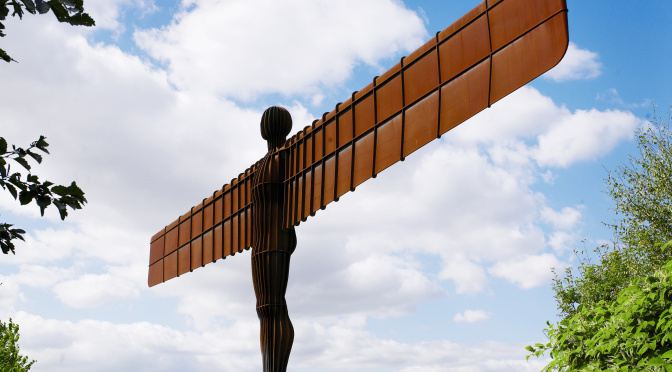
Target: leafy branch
[(631, 333), (31, 188), (10, 359), (66, 11)]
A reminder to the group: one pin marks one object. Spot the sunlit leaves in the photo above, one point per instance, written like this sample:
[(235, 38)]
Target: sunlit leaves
[(642, 190), (616, 314), (642, 194), (10, 359), (630, 334)]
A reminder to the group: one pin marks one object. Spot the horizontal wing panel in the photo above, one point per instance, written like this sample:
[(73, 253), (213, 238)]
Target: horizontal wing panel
[(493, 50), (218, 227)]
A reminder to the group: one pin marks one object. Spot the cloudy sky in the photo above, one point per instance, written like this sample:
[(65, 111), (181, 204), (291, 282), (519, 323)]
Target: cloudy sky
[(442, 263)]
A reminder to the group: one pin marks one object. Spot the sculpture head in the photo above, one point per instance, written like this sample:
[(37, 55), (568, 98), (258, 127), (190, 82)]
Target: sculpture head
[(276, 123)]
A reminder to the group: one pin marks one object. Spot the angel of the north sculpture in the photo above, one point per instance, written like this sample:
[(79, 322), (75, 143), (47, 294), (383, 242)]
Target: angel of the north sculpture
[(491, 51)]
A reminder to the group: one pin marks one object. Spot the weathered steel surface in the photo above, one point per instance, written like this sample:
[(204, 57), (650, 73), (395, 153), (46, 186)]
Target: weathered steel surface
[(491, 51), (218, 227), (272, 245)]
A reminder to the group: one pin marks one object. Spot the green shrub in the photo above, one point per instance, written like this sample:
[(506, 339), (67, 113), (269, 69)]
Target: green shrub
[(632, 333)]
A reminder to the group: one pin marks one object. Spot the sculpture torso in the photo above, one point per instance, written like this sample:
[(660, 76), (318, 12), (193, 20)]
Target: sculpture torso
[(272, 247), (268, 198)]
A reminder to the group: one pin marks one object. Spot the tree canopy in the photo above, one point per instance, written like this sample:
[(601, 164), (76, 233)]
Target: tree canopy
[(67, 11)]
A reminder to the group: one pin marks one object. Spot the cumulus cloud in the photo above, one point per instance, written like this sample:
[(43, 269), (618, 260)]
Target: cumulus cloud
[(468, 276), (82, 345), (146, 144), (578, 64), (527, 126), (565, 219), (244, 48), (40, 276), (528, 271), (585, 135), (92, 290), (472, 316)]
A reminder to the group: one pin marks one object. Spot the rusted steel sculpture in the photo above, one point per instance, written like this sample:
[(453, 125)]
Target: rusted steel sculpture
[(491, 51)]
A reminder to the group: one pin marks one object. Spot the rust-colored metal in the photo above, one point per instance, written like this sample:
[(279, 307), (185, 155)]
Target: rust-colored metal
[(491, 51), (272, 244)]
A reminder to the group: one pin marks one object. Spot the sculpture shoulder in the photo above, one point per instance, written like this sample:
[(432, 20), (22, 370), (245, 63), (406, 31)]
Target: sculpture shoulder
[(271, 168)]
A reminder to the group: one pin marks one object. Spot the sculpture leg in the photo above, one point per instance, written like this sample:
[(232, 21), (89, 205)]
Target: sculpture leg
[(270, 270)]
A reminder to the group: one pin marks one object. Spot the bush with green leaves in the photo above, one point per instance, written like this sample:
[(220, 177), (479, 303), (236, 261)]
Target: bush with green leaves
[(642, 190), (642, 194), (67, 11), (632, 333), (609, 319), (10, 359), (31, 188)]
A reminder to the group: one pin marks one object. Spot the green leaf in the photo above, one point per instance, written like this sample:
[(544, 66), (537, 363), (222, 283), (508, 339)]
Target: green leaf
[(12, 190), (3, 146), (43, 202), (42, 7), (37, 157), (25, 197), (59, 11), (18, 10), (15, 179), (23, 162), (666, 245), (667, 355), (655, 362), (42, 144), (30, 6), (62, 209), (82, 19), (60, 190), (4, 11), (3, 55)]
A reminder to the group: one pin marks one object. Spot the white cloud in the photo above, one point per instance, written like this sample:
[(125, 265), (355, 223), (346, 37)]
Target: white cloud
[(468, 276), (10, 296), (527, 126), (613, 97), (565, 219), (87, 344), (92, 290), (472, 316), (345, 345), (562, 240), (584, 135), (549, 177), (145, 152), (244, 48), (528, 271), (40, 276), (578, 64), (109, 13)]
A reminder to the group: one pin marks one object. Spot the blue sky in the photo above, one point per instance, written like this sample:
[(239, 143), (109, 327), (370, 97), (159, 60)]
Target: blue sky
[(442, 263)]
